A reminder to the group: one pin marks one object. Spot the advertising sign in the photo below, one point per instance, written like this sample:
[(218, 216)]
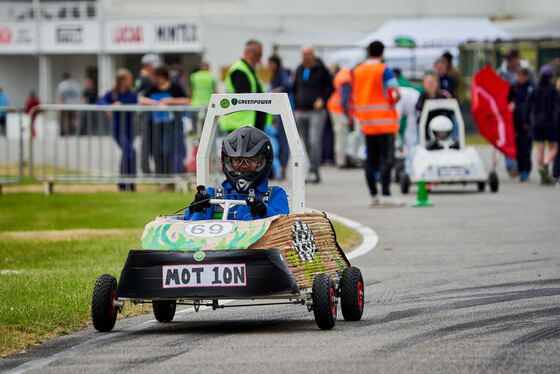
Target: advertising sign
[(71, 37), (18, 38)]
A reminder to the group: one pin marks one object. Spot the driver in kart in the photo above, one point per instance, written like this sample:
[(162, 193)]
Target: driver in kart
[(246, 162), (441, 130)]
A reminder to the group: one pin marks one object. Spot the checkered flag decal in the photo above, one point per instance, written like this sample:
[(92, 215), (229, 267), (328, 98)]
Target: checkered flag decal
[(303, 241)]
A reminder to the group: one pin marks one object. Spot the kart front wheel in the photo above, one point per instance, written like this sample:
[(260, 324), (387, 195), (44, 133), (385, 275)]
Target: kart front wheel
[(493, 181), (164, 311), (405, 183), (352, 294), (481, 186), (103, 311), (324, 301)]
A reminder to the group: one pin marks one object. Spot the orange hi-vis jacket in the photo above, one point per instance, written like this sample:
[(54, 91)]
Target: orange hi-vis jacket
[(334, 104), (373, 110)]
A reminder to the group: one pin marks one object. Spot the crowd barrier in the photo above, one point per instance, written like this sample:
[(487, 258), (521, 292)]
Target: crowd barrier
[(125, 145), (11, 146)]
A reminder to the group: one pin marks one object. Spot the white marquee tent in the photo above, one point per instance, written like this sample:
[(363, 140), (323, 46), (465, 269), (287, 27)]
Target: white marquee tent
[(431, 36)]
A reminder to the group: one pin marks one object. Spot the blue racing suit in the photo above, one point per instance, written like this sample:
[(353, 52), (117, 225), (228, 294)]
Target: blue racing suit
[(277, 203)]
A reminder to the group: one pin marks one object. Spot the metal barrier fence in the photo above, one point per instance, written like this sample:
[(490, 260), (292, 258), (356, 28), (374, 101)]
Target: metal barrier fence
[(126, 144), (11, 146)]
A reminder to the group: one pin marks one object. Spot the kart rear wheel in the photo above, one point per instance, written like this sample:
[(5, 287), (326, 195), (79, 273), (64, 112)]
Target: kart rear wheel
[(493, 181), (481, 186), (103, 312), (164, 311), (405, 183), (352, 294), (324, 301)]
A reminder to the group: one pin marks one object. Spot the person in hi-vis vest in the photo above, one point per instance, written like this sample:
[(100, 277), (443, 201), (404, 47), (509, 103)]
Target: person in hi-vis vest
[(341, 111), (375, 91), (242, 78)]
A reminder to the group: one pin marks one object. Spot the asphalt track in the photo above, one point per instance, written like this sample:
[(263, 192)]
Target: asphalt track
[(470, 285)]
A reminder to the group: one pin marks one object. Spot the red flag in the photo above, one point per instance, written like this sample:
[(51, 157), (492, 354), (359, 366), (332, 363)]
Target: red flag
[(489, 106)]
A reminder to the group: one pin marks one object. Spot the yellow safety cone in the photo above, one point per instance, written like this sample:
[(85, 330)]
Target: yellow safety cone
[(422, 197)]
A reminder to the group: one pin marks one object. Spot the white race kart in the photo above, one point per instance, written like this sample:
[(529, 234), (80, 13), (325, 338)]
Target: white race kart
[(442, 160)]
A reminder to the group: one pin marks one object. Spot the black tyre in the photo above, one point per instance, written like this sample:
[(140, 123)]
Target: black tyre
[(493, 181), (481, 186), (352, 294), (405, 183), (324, 301), (103, 313), (164, 311)]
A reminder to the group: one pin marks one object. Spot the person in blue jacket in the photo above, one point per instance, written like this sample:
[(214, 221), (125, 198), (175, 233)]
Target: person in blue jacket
[(247, 157)]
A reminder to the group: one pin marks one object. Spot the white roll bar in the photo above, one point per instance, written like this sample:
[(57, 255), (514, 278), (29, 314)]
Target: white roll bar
[(273, 103)]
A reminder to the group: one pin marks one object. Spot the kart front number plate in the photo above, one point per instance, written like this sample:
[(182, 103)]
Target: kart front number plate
[(204, 275), (451, 171)]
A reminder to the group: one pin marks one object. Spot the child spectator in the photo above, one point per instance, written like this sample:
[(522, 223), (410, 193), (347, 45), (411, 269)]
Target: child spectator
[(446, 81), (541, 113), (122, 93), (518, 95), (167, 137)]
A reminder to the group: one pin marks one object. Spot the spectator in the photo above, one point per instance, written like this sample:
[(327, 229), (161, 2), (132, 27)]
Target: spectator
[(543, 107), (518, 95), (459, 90), (203, 85), (446, 81), (432, 91), (68, 92), (89, 94), (123, 93), (142, 84), (312, 88), (31, 101), (168, 139), (406, 107), (341, 110), (149, 62), (507, 71), (242, 78), (401, 80), (3, 102), (375, 91), (281, 82)]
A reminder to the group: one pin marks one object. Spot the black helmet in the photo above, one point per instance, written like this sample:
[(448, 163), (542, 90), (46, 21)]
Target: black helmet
[(247, 142)]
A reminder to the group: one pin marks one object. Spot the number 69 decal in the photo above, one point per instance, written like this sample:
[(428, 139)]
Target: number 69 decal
[(210, 229)]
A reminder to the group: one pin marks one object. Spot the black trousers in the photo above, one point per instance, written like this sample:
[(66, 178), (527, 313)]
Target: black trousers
[(523, 142), (379, 158)]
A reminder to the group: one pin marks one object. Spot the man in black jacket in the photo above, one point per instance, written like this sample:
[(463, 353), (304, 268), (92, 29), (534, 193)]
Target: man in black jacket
[(312, 87)]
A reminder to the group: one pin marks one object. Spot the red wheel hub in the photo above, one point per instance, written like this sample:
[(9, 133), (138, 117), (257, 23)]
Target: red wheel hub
[(333, 302), (360, 294), (112, 310)]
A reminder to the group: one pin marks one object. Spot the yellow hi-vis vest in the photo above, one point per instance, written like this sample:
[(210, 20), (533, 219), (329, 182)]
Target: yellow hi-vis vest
[(234, 121)]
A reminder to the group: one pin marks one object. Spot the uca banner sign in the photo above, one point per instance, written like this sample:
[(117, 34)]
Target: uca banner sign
[(18, 38), (490, 110), (153, 36)]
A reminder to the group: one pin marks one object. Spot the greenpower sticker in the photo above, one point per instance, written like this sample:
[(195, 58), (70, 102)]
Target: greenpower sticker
[(199, 255), (224, 103)]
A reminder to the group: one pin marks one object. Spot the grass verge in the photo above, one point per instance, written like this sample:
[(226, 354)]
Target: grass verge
[(47, 277)]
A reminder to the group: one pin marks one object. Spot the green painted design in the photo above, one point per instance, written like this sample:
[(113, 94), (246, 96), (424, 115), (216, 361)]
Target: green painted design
[(166, 234), (294, 258), (312, 267)]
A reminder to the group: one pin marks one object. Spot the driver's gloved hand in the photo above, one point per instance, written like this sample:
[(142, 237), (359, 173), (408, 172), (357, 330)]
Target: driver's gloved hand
[(201, 200), (257, 206)]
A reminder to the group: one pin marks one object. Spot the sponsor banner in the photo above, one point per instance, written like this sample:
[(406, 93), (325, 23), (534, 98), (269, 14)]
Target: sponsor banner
[(18, 38), (72, 37), (204, 275), (153, 36)]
